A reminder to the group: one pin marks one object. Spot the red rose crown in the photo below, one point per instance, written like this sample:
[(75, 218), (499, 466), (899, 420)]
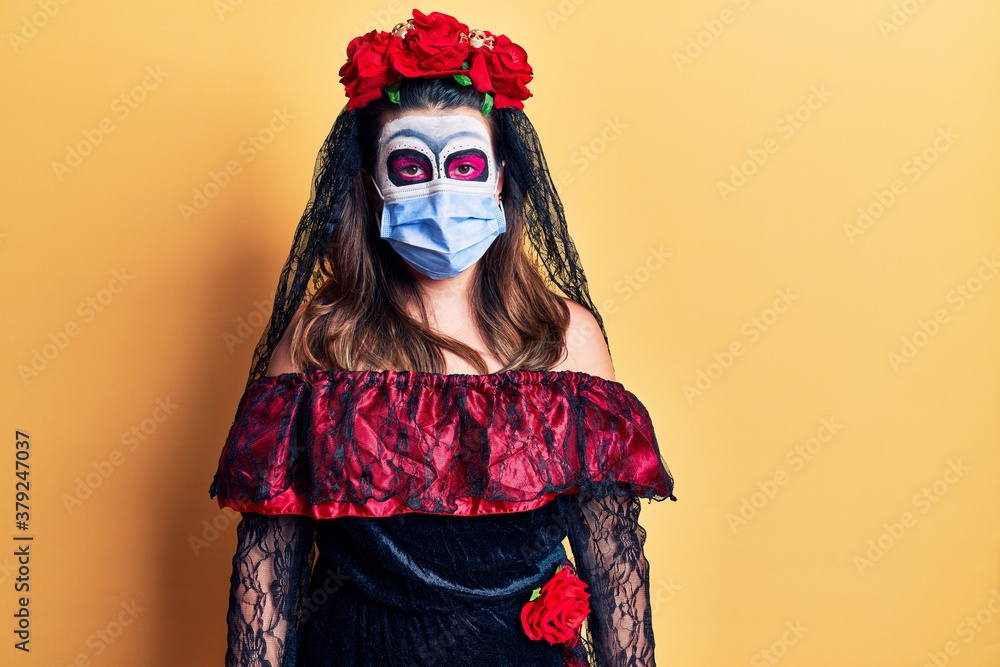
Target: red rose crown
[(435, 45)]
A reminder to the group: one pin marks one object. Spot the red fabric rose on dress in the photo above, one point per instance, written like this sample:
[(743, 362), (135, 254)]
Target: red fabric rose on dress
[(503, 70), (558, 609)]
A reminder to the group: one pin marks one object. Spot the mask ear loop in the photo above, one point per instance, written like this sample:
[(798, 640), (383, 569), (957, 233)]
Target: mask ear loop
[(503, 213), (381, 221), (500, 171), (377, 188)]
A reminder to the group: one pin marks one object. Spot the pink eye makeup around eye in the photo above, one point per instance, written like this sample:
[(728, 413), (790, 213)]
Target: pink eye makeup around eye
[(408, 166), (467, 166)]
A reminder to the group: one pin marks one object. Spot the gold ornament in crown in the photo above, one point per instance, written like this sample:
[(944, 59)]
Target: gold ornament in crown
[(477, 39), (400, 29)]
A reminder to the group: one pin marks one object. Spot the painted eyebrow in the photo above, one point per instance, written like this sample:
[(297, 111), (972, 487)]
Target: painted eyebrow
[(435, 145)]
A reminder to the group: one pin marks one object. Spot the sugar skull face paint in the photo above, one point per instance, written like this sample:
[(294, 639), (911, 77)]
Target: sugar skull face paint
[(437, 177), (422, 148)]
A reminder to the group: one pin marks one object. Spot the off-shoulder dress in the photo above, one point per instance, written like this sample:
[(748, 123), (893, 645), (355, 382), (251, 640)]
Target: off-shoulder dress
[(436, 505)]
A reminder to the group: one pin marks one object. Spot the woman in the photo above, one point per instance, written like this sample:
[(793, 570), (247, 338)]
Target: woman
[(424, 409)]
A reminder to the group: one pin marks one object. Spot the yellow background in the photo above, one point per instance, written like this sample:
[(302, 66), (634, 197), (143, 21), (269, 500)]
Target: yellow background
[(643, 109)]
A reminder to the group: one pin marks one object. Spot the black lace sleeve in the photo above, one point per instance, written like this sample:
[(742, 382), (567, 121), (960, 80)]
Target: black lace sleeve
[(607, 543), (271, 571)]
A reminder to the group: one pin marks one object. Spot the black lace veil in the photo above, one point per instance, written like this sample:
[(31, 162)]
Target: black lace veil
[(338, 165)]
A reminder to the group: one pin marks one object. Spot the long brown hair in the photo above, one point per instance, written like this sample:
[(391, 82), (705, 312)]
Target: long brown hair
[(360, 317)]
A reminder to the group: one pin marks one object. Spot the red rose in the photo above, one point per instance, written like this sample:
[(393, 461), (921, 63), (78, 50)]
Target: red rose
[(434, 46), (368, 67), (503, 71), (560, 609)]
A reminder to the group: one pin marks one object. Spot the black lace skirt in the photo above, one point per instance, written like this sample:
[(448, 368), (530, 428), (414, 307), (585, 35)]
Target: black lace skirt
[(421, 590)]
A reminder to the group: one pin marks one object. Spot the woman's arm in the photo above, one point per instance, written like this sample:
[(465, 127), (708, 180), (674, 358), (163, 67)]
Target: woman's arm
[(271, 572), (607, 543), (606, 538)]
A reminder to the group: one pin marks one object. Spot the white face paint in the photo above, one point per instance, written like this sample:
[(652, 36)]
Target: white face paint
[(420, 154)]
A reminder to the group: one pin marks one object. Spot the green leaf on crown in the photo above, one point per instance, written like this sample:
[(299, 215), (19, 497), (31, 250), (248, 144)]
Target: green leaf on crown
[(392, 90)]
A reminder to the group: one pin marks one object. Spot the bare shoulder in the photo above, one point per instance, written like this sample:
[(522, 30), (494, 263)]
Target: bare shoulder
[(586, 350), (281, 357)]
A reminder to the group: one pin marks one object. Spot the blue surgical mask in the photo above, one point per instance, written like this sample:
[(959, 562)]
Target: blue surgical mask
[(444, 232), (437, 179)]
